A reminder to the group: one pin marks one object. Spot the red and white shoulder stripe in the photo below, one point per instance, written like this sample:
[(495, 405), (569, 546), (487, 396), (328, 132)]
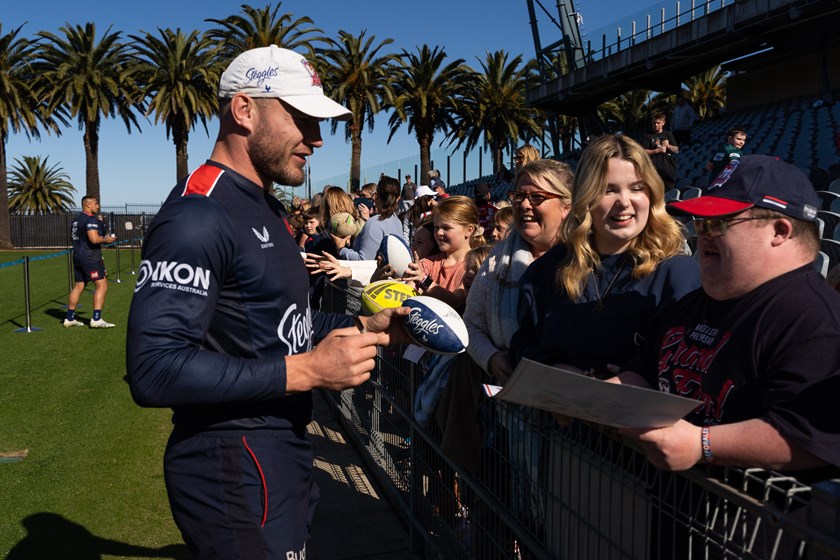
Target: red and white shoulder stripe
[(203, 180)]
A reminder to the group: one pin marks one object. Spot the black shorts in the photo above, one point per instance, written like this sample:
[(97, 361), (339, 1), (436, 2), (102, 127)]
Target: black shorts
[(242, 496), (88, 271)]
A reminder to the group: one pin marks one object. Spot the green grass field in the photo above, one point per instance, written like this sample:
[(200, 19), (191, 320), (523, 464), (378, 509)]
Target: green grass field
[(91, 485)]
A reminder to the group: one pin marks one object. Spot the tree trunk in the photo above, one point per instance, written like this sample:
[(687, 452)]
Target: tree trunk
[(181, 140), (92, 158), (425, 142), (355, 156), (5, 229)]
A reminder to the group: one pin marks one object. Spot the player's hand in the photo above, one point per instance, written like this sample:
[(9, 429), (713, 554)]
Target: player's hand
[(675, 448), (389, 324), (343, 359)]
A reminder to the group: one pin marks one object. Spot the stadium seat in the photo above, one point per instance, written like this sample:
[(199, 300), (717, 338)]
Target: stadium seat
[(835, 205), (834, 186), (831, 220), (834, 171), (820, 178), (831, 248), (821, 263), (820, 227), (827, 198), (836, 234), (674, 194), (691, 192)]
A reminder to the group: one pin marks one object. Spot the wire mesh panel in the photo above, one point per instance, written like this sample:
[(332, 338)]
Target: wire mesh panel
[(508, 482)]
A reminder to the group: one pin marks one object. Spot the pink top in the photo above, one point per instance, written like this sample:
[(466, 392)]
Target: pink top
[(447, 277)]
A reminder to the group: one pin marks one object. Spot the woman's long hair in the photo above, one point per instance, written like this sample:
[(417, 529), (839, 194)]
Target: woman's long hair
[(387, 197), (661, 237), (335, 200)]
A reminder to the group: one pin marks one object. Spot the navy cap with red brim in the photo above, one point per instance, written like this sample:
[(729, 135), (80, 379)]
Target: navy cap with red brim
[(709, 206)]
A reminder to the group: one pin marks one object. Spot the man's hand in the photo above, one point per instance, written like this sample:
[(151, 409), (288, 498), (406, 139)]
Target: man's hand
[(389, 324), (675, 448), (499, 366), (343, 359)]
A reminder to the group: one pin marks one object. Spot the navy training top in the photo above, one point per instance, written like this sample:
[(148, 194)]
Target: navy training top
[(221, 298), (83, 249)]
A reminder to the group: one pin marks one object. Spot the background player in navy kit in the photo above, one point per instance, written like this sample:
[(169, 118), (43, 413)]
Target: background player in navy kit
[(220, 327), (88, 265)]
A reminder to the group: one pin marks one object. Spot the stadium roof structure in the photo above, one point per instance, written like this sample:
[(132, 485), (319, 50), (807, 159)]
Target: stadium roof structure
[(662, 61)]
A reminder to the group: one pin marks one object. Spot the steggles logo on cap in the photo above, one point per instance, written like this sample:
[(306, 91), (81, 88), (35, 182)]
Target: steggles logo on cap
[(724, 175), (316, 81)]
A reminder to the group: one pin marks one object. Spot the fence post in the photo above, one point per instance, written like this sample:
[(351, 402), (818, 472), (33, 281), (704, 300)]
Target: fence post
[(132, 255), (26, 301), (824, 512), (117, 247)]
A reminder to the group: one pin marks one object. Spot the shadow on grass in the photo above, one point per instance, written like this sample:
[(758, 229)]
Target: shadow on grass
[(50, 535)]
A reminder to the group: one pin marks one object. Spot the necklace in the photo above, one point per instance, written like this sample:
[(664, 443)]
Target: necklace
[(600, 305)]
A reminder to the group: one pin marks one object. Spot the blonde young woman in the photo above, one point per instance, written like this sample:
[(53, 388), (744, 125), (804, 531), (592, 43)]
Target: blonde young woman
[(585, 301)]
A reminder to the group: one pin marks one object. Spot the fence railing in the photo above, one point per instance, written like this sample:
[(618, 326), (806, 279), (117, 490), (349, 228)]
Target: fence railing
[(52, 231), (535, 490)]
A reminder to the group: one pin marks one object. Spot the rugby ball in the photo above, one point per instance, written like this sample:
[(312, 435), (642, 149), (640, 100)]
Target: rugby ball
[(395, 251), (435, 326), (383, 294)]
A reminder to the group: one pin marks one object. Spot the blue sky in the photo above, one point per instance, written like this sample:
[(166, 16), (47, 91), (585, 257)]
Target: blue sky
[(140, 167)]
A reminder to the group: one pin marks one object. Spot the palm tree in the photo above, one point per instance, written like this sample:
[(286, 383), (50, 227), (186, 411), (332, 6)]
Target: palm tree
[(90, 79), (21, 109), (627, 113), (179, 78), (495, 108), (707, 91), (37, 188), (427, 97), (360, 78), (261, 28)]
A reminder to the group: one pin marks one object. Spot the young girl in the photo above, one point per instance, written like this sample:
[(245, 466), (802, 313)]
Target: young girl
[(456, 231), (502, 222), (473, 262)]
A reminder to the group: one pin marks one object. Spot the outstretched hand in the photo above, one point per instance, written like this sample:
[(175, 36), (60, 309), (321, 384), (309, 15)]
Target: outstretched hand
[(327, 264)]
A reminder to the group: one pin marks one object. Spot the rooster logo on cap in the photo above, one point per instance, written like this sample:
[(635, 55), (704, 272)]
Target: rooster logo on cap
[(316, 81)]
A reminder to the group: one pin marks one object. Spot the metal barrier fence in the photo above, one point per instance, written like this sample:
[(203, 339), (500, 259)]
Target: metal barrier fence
[(52, 231), (535, 490)]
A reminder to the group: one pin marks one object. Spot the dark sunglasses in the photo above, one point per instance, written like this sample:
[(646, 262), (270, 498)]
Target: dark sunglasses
[(534, 197)]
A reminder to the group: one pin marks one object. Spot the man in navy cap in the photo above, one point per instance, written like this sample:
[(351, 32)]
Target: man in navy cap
[(759, 344)]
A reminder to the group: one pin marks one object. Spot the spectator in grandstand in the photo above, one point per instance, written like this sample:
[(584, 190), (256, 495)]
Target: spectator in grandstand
[(486, 209), (735, 140), (502, 223), (385, 222), (436, 183), (620, 262), (524, 155), (682, 121), (759, 344), (88, 265), (408, 189), (456, 232), (661, 146), (220, 328)]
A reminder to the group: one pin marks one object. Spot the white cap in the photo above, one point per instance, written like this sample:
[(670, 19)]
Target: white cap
[(284, 74), (424, 190)]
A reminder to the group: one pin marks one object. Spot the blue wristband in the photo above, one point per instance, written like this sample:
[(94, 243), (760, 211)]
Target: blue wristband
[(706, 445)]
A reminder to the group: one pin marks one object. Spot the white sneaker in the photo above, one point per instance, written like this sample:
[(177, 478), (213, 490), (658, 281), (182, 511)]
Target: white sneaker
[(100, 324), (73, 323)]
